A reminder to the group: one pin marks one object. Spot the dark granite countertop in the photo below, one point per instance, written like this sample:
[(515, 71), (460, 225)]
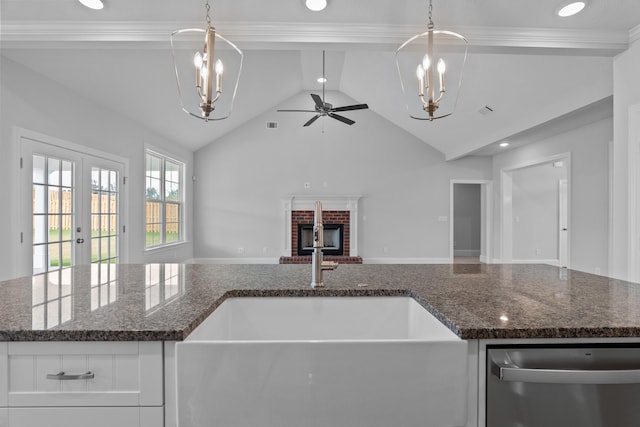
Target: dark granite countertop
[(167, 301)]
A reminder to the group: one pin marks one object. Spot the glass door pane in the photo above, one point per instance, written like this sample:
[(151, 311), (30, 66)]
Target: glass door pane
[(105, 215), (53, 213)]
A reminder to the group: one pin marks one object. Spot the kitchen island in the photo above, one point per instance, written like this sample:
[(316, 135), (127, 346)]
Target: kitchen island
[(147, 308), (165, 302)]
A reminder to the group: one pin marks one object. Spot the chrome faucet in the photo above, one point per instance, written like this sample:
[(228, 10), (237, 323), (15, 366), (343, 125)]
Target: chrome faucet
[(317, 264)]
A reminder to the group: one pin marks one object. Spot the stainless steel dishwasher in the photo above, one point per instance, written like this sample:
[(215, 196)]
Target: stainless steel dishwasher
[(563, 386)]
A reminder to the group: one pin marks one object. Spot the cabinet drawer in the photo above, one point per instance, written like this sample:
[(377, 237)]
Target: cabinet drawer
[(84, 374), (84, 416)]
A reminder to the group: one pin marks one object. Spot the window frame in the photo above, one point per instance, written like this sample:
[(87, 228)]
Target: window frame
[(163, 200)]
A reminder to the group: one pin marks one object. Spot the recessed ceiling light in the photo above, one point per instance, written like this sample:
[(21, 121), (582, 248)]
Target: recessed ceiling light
[(316, 5), (92, 4), (570, 9), (504, 144)]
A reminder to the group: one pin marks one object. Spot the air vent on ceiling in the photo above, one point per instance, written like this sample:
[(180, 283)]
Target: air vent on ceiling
[(485, 110), (272, 125)]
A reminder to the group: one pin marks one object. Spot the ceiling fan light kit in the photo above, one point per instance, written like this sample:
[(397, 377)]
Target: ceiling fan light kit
[(323, 108), (446, 54), (207, 65)]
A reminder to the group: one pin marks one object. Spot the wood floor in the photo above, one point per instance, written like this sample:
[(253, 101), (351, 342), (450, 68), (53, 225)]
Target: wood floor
[(466, 260)]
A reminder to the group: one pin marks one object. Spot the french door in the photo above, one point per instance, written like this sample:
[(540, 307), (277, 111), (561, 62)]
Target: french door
[(73, 202)]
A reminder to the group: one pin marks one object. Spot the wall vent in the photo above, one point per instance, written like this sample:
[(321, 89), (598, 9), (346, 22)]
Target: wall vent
[(272, 125), (485, 110)]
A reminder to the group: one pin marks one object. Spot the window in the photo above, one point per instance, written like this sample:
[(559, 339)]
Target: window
[(164, 200)]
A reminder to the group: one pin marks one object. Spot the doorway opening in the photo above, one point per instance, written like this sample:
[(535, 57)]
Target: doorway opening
[(470, 225), (535, 212), (71, 204)]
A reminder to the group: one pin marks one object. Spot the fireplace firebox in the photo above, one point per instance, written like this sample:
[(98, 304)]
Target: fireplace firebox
[(333, 239)]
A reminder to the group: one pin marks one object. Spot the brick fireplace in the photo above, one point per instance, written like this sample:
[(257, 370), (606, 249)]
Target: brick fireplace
[(339, 214)]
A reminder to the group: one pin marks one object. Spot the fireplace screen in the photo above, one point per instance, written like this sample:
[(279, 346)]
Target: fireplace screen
[(333, 239)]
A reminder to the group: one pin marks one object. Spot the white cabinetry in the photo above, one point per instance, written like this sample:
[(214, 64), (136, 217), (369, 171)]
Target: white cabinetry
[(4, 412), (83, 383)]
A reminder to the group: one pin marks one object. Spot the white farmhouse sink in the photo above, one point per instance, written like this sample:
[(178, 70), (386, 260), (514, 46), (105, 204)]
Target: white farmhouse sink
[(321, 361)]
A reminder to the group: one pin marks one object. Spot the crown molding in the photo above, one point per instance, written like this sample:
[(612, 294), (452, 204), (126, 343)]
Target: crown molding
[(257, 35)]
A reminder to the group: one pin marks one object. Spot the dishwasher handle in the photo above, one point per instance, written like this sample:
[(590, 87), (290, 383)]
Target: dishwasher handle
[(505, 370)]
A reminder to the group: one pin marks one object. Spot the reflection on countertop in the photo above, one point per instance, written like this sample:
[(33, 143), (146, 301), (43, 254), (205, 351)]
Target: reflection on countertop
[(167, 301)]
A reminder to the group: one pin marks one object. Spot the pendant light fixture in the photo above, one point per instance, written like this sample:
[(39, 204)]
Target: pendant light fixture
[(445, 52), (201, 68)]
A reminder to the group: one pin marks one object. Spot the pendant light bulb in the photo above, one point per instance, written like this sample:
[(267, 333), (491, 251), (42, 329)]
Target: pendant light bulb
[(441, 66), (197, 60), (426, 62), (219, 67)]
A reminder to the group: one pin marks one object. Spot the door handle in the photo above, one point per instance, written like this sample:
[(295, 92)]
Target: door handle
[(79, 240), (505, 370)]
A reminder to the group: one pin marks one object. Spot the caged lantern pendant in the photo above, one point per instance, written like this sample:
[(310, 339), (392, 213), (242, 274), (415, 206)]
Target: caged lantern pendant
[(446, 51), (208, 100)]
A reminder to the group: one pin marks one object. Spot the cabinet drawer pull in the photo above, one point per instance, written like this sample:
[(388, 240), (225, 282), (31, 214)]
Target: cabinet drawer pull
[(62, 376)]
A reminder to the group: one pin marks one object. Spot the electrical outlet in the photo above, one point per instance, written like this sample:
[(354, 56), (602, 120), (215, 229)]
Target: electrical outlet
[(538, 251), (265, 250), (385, 249), (240, 251), (307, 185)]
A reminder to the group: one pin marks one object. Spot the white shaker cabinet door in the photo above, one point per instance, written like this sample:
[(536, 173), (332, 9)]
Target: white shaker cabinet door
[(4, 417), (89, 374)]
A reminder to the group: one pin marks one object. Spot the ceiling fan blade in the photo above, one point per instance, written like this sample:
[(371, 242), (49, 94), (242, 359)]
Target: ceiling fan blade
[(296, 111), (318, 101), (351, 107), (341, 118), (313, 119)]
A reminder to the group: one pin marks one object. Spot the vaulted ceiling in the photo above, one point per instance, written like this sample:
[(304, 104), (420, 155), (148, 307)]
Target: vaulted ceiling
[(534, 69)]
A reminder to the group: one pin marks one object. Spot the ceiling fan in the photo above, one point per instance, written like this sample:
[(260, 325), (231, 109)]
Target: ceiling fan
[(323, 108)]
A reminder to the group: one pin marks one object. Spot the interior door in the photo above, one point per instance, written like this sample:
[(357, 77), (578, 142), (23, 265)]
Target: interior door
[(73, 202), (563, 220)]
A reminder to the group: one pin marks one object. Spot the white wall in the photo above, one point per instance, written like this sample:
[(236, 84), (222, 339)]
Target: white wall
[(626, 95), (467, 228), (589, 185), (243, 177), (31, 101)]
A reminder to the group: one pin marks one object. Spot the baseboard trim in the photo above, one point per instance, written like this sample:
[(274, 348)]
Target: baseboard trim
[(553, 262), (406, 261), (233, 261)]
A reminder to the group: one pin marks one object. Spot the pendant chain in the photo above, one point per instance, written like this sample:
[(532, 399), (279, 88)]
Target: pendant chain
[(208, 17)]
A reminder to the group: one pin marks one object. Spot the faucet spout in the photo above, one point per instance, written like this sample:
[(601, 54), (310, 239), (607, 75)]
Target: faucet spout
[(317, 263)]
